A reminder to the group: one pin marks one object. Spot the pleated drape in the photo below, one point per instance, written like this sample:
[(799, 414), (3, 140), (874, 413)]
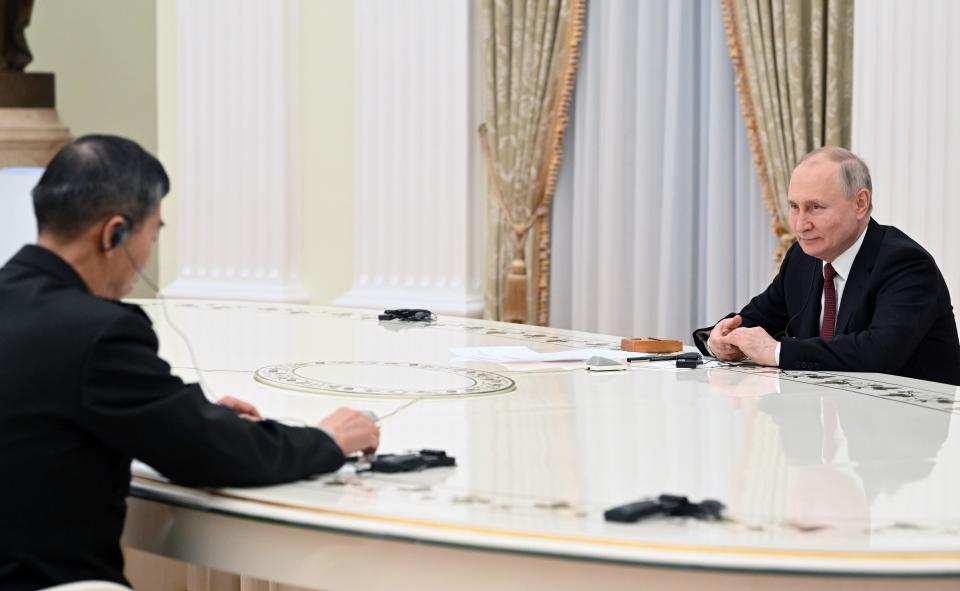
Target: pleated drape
[(794, 68), (530, 52), (658, 222)]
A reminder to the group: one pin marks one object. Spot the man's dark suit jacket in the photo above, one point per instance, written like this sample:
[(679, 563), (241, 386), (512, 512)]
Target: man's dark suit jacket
[(82, 391), (895, 314)]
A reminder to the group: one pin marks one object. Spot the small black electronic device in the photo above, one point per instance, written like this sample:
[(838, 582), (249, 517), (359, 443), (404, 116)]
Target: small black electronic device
[(119, 235), (390, 463), (633, 512), (668, 505), (689, 355), (409, 462), (689, 362), (408, 315)]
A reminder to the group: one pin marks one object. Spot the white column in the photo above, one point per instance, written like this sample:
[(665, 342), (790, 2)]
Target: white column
[(237, 157), (418, 216), (906, 121)]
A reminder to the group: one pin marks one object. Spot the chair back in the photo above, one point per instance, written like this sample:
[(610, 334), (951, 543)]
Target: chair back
[(18, 225), (89, 586)]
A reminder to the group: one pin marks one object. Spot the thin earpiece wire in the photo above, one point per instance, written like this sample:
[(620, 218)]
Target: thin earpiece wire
[(193, 357), (166, 315)]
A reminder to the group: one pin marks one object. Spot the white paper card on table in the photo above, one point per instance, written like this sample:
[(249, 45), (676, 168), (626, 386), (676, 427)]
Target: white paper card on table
[(519, 354), (527, 366)]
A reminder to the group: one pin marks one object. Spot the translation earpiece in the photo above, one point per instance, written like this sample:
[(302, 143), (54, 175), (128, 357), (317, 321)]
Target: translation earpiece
[(119, 234)]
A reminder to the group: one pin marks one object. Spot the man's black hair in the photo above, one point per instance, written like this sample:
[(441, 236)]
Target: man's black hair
[(95, 177)]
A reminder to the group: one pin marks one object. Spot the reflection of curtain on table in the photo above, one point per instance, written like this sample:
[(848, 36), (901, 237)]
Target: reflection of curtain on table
[(658, 223), (529, 49), (794, 68)]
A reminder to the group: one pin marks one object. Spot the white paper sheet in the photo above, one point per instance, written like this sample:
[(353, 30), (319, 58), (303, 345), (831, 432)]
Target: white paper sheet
[(524, 366), (521, 354)]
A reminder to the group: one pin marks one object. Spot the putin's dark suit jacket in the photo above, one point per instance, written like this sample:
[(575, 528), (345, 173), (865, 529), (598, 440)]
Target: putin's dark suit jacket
[(82, 391), (895, 314)]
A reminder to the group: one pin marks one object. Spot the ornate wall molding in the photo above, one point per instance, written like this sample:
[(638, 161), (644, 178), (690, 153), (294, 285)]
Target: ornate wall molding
[(418, 216), (237, 151)]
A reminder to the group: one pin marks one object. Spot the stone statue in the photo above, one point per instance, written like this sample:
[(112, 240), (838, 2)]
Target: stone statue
[(14, 18), (30, 129)]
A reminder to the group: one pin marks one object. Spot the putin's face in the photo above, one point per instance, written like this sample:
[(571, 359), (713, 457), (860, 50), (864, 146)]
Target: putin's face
[(825, 221)]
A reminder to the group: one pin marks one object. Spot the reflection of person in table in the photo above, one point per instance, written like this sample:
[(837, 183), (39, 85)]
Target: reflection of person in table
[(84, 391), (844, 458)]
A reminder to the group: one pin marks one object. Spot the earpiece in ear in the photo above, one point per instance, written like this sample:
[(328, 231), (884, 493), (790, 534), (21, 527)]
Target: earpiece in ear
[(119, 235)]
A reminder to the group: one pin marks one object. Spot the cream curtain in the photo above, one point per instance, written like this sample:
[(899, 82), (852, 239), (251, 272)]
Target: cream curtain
[(794, 68), (529, 49), (658, 215)]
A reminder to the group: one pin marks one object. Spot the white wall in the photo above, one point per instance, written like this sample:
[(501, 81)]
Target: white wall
[(380, 146), (906, 123), (417, 220), (326, 148), (238, 151), (101, 89), (317, 107), (906, 126)]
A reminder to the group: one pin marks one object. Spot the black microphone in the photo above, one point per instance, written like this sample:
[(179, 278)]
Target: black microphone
[(813, 282)]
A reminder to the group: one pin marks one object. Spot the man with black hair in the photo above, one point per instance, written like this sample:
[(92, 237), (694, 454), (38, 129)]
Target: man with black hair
[(84, 392)]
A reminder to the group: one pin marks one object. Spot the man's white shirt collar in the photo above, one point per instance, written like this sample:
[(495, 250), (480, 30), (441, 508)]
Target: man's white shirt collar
[(843, 263)]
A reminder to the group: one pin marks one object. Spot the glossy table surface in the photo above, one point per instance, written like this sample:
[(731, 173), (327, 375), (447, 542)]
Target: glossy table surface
[(821, 473)]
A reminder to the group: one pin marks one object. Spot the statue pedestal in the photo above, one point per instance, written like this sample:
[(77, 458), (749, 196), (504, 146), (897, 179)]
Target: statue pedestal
[(30, 137), (30, 130)]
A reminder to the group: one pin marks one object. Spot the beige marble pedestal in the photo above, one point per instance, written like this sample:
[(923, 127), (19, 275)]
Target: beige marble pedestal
[(30, 136), (30, 130)]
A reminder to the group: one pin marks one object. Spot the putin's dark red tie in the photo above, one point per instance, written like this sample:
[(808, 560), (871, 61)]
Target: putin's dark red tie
[(829, 302)]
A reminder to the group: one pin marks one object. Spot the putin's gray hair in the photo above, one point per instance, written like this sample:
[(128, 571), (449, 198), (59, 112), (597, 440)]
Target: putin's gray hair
[(854, 174)]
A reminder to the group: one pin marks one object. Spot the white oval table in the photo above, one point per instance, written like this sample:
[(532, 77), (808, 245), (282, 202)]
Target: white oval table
[(850, 480)]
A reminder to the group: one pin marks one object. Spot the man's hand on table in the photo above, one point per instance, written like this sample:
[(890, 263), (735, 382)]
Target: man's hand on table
[(352, 430), (720, 343), (756, 344), (244, 409)]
